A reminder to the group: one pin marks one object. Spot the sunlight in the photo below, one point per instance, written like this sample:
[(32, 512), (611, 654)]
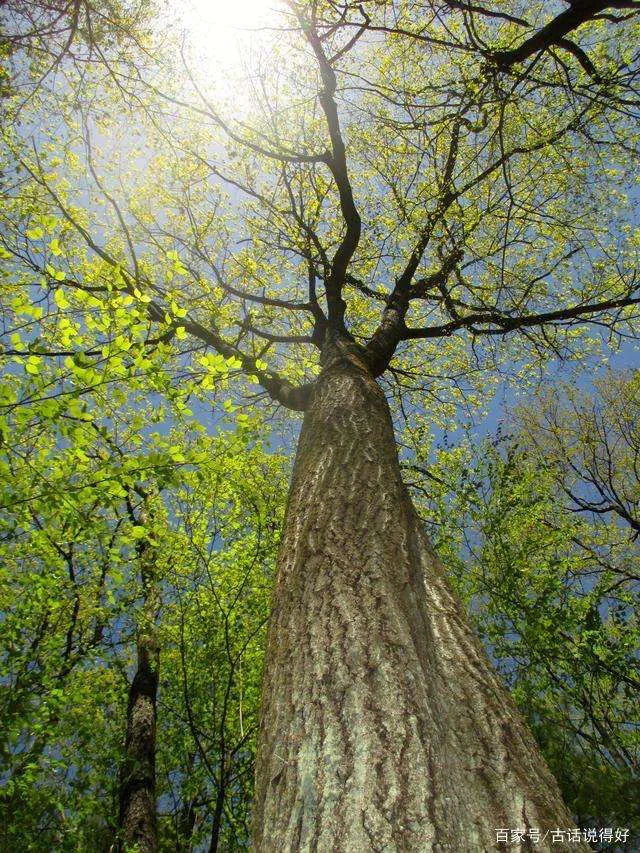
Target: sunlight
[(220, 32)]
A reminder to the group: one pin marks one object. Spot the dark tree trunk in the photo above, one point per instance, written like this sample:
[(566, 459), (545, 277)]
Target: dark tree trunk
[(138, 821), (217, 817), (384, 726), (186, 823)]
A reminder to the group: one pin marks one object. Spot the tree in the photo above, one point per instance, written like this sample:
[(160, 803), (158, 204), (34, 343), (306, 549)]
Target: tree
[(137, 818), (550, 572), (418, 195), (214, 637), (95, 595)]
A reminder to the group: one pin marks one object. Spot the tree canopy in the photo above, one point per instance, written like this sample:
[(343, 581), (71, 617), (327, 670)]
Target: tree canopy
[(407, 178), (445, 189)]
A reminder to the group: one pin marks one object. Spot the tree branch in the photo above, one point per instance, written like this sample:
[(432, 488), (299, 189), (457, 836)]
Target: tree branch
[(501, 324), (281, 390), (337, 163), (555, 31)]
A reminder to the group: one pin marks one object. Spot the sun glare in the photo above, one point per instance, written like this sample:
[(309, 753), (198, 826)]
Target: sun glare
[(220, 32)]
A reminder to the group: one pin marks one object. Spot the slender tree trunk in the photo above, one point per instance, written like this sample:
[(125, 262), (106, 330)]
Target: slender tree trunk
[(384, 726), (186, 823), (217, 817), (138, 821)]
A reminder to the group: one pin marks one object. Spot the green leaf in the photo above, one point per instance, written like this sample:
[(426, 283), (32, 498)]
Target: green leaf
[(138, 532), (60, 299)]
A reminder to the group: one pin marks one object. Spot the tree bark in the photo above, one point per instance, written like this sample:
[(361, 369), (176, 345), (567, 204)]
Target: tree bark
[(384, 726), (137, 820)]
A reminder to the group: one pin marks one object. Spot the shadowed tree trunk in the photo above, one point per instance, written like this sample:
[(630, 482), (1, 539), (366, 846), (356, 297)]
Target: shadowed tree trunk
[(384, 726), (217, 816), (137, 820)]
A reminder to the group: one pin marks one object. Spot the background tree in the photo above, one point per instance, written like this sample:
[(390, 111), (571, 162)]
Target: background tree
[(497, 227), (137, 818), (85, 573), (72, 660), (550, 571), (214, 637)]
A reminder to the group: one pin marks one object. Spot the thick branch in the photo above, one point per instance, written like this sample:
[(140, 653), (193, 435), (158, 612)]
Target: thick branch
[(391, 330), (282, 391), (337, 163), (556, 30), (275, 338), (500, 324)]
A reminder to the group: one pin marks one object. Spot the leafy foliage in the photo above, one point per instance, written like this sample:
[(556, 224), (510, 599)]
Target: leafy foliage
[(551, 573), (447, 186), (71, 593)]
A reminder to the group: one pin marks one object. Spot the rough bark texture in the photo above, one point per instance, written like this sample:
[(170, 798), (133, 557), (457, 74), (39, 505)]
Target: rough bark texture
[(384, 726), (138, 822)]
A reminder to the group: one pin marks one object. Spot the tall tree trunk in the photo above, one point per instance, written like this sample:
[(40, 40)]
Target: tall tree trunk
[(384, 726), (138, 821)]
